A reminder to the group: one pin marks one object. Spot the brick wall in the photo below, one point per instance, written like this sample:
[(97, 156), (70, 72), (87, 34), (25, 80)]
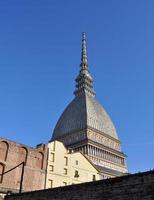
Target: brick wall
[(131, 187), (11, 154)]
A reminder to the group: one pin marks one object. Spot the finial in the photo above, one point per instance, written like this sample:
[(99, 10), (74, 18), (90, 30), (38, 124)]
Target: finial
[(84, 59), (84, 81)]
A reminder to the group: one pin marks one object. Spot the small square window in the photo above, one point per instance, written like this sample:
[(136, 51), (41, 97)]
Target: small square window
[(65, 171), (51, 168), (52, 157), (54, 145), (76, 162), (64, 183), (76, 174), (94, 178), (50, 183), (66, 160)]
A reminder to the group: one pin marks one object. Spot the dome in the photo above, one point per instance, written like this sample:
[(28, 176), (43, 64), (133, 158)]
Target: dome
[(84, 111), (86, 115)]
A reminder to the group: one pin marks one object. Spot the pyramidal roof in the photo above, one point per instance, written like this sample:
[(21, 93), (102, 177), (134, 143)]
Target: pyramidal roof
[(84, 111)]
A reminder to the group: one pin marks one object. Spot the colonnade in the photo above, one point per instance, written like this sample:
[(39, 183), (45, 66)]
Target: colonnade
[(100, 153)]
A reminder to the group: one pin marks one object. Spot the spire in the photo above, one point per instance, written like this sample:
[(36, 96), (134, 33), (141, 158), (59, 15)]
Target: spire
[(84, 59), (84, 81)]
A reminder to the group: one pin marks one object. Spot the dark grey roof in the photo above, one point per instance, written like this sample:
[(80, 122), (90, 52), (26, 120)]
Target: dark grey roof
[(110, 171), (84, 111)]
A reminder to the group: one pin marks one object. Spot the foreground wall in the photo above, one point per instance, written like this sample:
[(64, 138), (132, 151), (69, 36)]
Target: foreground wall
[(131, 187)]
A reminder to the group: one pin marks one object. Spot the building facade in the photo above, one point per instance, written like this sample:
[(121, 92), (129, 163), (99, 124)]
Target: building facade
[(46, 166), (93, 149), (11, 155), (85, 125), (66, 167)]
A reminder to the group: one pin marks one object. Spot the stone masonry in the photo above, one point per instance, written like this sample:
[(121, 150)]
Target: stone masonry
[(130, 187), (12, 154)]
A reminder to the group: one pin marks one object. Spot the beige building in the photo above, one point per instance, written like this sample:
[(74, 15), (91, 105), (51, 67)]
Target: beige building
[(65, 167)]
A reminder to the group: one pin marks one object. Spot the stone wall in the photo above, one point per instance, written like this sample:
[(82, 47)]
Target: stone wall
[(131, 187), (2, 196), (12, 154)]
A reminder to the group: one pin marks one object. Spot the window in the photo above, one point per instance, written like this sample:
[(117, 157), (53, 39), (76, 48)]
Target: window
[(65, 171), (51, 168), (76, 162), (94, 177), (54, 145), (76, 174), (52, 157), (64, 183), (66, 160), (50, 183)]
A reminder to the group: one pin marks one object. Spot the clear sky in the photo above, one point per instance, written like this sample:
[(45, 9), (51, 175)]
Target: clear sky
[(40, 46)]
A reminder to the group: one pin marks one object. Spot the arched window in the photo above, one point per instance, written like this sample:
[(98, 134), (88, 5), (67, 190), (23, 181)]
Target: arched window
[(22, 156), (4, 146), (1, 172), (39, 161)]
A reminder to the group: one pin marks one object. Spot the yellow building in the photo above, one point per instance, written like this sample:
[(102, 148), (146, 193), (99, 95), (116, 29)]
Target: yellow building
[(66, 167)]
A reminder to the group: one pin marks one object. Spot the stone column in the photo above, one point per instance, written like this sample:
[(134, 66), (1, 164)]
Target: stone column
[(88, 149)]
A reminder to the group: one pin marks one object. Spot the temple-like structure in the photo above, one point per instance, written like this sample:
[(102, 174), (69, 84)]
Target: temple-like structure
[(85, 126)]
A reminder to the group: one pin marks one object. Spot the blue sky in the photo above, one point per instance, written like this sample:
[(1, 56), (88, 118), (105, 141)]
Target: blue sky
[(40, 46)]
